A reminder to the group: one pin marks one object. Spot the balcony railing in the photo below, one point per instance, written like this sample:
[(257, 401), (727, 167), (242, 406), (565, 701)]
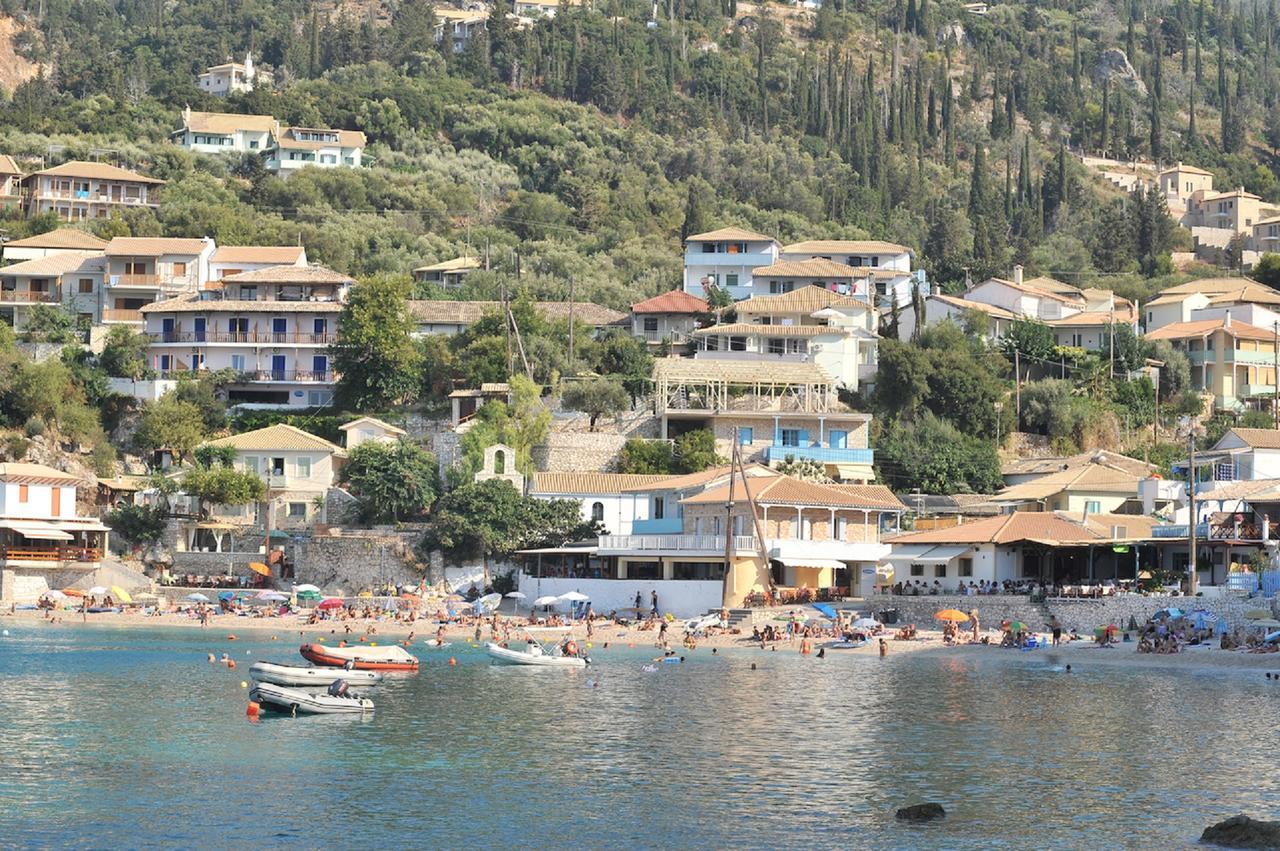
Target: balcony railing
[(133, 280), (659, 526), (301, 375), (1246, 356), (695, 256), (30, 296), (116, 314), (821, 454), (267, 337), (679, 543), (51, 553)]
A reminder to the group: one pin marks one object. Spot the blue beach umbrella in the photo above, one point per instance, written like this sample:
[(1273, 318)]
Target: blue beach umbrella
[(227, 595)]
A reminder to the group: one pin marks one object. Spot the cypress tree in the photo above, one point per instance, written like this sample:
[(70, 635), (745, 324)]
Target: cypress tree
[(1192, 137), (1106, 114), (1199, 65), (1075, 59), (1157, 146)]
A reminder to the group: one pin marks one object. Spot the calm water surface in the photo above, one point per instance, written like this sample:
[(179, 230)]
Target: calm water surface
[(113, 739)]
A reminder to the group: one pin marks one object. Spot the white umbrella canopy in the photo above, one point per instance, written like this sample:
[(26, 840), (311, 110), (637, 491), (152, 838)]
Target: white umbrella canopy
[(97, 589), (197, 598), (489, 601), (515, 595), (573, 597), (546, 601), (865, 623), (302, 588)]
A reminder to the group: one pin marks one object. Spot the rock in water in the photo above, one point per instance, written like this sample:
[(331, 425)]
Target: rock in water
[(921, 812), (1242, 832), (1114, 65)]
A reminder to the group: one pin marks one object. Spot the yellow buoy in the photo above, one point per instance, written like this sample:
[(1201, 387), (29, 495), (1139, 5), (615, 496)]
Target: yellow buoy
[(243, 684)]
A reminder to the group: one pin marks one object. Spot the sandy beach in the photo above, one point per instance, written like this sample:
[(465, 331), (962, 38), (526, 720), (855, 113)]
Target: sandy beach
[(422, 633)]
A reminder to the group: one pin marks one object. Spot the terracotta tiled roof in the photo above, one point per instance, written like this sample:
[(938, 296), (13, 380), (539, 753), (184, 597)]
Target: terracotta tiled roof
[(286, 274), (372, 421), (673, 301), (1132, 527), (441, 312), (1089, 318), (61, 238), (279, 436), (227, 122), (818, 268), (145, 246), (1090, 478), (96, 171), (282, 255), (1248, 294), (805, 300), (1046, 466), (1258, 438), (1028, 288), (1051, 285), (346, 139), (844, 246), (1237, 490), (34, 474), (192, 303), (729, 235), (1185, 169), (689, 481), (8, 165), (594, 483), (55, 264), (779, 489), (1209, 285), (1204, 327), (965, 304), (1042, 526)]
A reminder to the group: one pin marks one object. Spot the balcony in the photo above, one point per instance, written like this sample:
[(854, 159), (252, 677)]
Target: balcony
[(660, 526), (821, 454), (695, 257), (116, 315), (1245, 356), (1200, 357), (764, 357), (51, 554), (249, 337), (149, 281), (292, 375), (677, 544), (29, 297)]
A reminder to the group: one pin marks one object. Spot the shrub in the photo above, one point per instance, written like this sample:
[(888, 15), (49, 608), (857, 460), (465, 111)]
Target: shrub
[(34, 426)]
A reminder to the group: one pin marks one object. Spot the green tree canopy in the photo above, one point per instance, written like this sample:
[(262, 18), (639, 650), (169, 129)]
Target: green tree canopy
[(392, 480), (172, 424), (375, 356), (603, 396)]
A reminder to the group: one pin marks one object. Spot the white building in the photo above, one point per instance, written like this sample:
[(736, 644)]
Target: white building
[(459, 26), (447, 274), (77, 191), (298, 147), (369, 430), (231, 260), (883, 268), (668, 318), (622, 502), (810, 324), (225, 133), (726, 259), (272, 326), (44, 544), (298, 467), (143, 270), (72, 279), (222, 80)]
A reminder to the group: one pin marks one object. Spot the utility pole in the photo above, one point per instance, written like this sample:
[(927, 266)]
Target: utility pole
[(725, 591), (1111, 337), (1191, 502), (1017, 386), (506, 313), (571, 295), (1275, 373)]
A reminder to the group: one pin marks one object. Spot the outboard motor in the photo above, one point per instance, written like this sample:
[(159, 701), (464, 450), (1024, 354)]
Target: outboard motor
[(338, 688)]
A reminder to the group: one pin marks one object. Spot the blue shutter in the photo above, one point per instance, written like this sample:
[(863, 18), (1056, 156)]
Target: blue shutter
[(745, 435), (804, 438), (839, 439)]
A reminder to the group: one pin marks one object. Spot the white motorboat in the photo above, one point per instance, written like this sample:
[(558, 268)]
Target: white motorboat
[(296, 701), (563, 654), (305, 676)]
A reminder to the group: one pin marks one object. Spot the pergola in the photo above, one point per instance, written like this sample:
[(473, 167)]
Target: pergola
[(725, 386)]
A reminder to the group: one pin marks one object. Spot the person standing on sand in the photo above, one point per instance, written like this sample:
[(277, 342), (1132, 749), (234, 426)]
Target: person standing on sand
[(973, 616), (639, 604), (653, 596), (884, 648), (1056, 626)]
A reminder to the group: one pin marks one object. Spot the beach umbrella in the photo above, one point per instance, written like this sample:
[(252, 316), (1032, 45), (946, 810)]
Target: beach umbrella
[(73, 592), (793, 618), (330, 603), (514, 595), (546, 601), (865, 623), (121, 594), (367, 595), (1266, 623), (197, 598), (259, 568), (1257, 614), (574, 597), (826, 610), (272, 597), (953, 615), (306, 589), (1015, 626), (227, 595), (489, 601), (97, 589), (55, 595), (309, 595)]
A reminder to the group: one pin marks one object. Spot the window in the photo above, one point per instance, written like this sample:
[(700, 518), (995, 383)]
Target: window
[(940, 571), (1093, 506), (597, 512), (737, 344), (297, 509), (135, 267), (644, 570), (745, 435), (251, 464), (777, 346), (659, 508), (499, 463), (780, 287), (842, 528), (917, 570), (277, 466), (966, 567), (86, 285), (730, 280), (790, 436), (838, 439), (179, 270), (237, 363), (698, 570), (302, 467), (651, 324), (24, 493), (319, 398)]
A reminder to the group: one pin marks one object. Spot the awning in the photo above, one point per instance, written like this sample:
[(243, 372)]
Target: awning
[(217, 526), (816, 563), (39, 531), (86, 526), (853, 471), (927, 553)]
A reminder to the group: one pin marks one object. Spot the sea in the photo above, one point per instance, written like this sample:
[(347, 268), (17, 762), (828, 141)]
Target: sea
[(125, 738)]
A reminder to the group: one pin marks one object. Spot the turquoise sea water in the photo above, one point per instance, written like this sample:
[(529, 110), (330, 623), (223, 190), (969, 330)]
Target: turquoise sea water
[(123, 739)]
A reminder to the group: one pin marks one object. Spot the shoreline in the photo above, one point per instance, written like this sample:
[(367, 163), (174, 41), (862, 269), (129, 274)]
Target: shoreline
[(222, 627)]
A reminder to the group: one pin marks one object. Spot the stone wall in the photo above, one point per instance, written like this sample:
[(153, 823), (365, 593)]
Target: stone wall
[(991, 610), (354, 562), (579, 452)]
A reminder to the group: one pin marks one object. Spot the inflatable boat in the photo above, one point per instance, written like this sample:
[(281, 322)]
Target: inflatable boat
[(299, 701), (361, 657), (306, 676)]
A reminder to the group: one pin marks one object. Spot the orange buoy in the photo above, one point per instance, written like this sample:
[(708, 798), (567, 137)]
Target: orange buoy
[(231, 638), (452, 661), (362, 638), (231, 663), (252, 709)]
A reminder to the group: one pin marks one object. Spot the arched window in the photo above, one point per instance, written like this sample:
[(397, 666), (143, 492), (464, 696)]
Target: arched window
[(499, 462), (597, 512)]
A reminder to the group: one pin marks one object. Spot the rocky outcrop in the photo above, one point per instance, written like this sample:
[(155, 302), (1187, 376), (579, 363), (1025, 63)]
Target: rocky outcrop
[(917, 813), (1243, 832), (1114, 65)]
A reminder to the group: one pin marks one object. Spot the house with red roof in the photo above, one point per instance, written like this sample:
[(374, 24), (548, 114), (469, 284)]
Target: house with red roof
[(670, 317)]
